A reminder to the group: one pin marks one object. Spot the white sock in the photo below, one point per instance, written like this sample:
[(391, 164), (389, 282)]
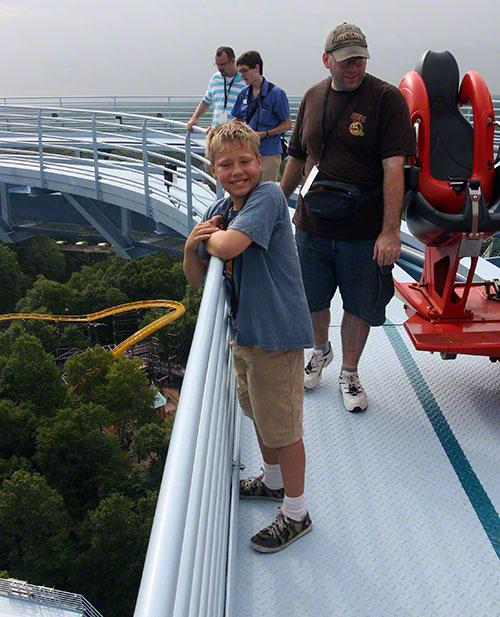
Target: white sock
[(295, 507), (321, 349), (272, 476)]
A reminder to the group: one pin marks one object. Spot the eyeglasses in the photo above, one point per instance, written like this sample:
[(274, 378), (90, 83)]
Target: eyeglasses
[(357, 61), (243, 71), (220, 65)]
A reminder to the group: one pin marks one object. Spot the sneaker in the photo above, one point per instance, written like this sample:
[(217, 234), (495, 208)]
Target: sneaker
[(281, 533), (353, 395), (254, 488), (315, 364)]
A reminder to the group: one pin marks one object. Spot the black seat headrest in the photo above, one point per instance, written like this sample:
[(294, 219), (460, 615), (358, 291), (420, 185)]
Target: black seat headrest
[(439, 70), (451, 135)]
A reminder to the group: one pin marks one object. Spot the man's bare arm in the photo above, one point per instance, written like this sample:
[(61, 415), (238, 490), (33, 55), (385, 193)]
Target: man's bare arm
[(199, 111), (282, 128), (276, 130), (292, 176), (388, 245)]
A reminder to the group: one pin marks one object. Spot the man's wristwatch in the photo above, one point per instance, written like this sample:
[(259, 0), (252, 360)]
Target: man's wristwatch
[(267, 134)]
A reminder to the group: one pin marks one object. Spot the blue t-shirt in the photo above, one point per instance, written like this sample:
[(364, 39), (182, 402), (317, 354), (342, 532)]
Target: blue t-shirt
[(271, 108), (272, 306), (222, 91)]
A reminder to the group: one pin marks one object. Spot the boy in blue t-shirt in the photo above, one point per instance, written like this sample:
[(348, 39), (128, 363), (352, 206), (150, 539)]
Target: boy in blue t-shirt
[(270, 323)]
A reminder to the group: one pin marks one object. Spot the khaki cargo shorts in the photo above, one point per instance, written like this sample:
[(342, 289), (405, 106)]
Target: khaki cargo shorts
[(271, 392)]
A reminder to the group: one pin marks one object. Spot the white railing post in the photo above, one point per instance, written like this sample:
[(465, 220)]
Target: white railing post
[(189, 184), (43, 182), (145, 163), (169, 113), (232, 544), (219, 190), (98, 194)]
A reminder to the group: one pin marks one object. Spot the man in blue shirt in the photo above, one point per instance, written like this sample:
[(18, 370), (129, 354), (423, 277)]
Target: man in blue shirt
[(265, 108), (223, 88)]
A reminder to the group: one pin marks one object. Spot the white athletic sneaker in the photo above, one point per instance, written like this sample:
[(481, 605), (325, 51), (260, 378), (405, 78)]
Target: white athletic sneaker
[(314, 365), (353, 395)]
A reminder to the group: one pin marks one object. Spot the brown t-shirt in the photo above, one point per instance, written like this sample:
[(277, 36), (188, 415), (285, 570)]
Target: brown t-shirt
[(374, 126)]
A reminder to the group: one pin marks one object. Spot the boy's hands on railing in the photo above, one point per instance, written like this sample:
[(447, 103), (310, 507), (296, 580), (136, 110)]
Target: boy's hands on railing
[(195, 267), (203, 231), (217, 220)]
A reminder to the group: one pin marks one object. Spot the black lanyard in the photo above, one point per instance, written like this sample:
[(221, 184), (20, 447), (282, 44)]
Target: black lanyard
[(227, 91), (258, 100), (228, 215), (250, 115), (324, 141)]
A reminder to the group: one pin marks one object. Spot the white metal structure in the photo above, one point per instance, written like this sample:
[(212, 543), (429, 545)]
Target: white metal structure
[(19, 599), (89, 159), (175, 107)]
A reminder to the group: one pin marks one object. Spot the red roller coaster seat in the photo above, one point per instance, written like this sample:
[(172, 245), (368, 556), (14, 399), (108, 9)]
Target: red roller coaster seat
[(452, 194)]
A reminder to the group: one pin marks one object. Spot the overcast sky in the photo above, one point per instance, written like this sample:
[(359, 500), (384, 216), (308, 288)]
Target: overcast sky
[(139, 47)]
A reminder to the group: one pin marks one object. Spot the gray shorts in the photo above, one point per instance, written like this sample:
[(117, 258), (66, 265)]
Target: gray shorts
[(326, 264)]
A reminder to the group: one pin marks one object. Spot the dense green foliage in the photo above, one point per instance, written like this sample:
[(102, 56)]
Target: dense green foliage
[(30, 374), (12, 281), (35, 528), (80, 468)]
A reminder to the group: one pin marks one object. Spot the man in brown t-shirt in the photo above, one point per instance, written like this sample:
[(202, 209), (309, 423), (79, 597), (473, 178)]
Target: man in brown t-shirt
[(352, 128)]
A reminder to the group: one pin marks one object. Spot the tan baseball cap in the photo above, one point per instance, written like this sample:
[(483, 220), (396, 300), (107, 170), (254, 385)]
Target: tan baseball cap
[(346, 41)]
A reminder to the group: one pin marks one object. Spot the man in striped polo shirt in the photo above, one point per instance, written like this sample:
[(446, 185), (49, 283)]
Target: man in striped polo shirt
[(222, 90)]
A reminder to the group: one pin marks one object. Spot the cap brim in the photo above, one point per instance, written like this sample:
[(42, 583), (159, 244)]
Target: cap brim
[(352, 51)]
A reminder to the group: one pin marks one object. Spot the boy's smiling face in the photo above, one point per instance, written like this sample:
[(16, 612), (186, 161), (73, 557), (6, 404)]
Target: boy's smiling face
[(237, 169)]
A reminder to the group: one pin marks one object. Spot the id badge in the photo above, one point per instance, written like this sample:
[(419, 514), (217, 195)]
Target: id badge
[(223, 117), (310, 179)]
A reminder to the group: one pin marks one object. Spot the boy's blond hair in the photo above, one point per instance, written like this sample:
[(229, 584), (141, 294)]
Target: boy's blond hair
[(232, 132)]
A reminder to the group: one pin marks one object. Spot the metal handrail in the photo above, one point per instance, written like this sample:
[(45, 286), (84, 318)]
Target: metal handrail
[(178, 107), (187, 559), (53, 140), (21, 590)]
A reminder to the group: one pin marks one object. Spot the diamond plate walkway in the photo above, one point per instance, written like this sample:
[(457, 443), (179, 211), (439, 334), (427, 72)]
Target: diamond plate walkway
[(404, 498)]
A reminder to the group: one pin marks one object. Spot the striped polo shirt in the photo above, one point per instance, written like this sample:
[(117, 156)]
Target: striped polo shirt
[(216, 95)]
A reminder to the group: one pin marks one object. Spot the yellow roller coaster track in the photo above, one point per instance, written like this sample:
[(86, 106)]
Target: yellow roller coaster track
[(178, 311)]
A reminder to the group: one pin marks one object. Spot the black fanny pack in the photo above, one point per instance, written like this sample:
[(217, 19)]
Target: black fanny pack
[(336, 201)]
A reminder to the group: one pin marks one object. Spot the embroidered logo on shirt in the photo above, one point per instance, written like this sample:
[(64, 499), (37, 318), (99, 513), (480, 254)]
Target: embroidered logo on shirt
[(356, 126), (228, 267)]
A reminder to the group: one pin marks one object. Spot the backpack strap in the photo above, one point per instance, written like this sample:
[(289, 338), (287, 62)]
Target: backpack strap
[(270, 86)]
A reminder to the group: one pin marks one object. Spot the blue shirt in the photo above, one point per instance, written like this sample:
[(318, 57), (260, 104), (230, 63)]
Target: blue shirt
[(223, 96), (271, 109), (272, 306)]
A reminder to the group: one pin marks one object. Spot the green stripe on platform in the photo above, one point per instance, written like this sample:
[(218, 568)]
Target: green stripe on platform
[(478, 497)]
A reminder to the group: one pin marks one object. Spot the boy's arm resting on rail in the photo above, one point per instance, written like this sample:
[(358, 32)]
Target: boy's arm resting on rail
[(195, 267), (227, 244)]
